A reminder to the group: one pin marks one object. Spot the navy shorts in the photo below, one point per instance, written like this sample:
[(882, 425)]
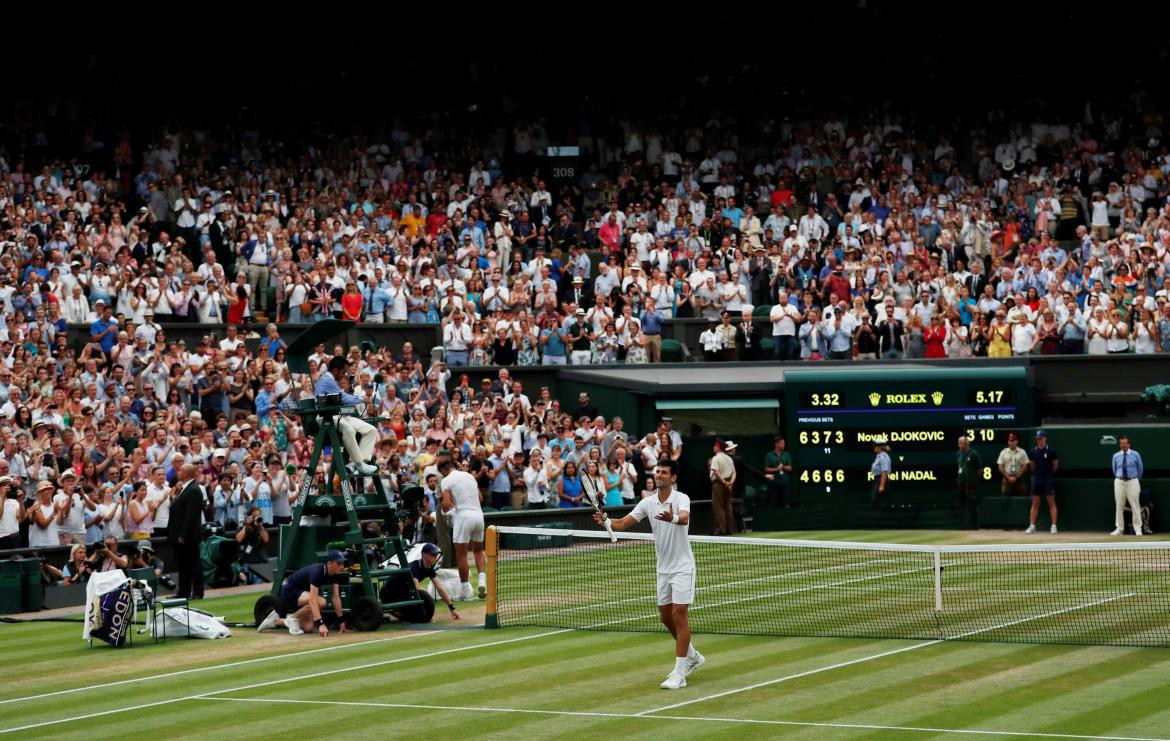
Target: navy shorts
[(1043, 489), (290, 597)]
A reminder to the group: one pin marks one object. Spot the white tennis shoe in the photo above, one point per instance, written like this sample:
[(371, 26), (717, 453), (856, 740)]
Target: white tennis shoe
[(294, 626), (268, 623), (695, 663), (674, 681), (482, 586), (1116, 532), (467, 594), (1031, 529), (1052, 529)]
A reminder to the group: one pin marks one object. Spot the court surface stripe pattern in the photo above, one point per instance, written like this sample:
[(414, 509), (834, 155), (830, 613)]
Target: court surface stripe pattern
[(295, 678), (687, 718)]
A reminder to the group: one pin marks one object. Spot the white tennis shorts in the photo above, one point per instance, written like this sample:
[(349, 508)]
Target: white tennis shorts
[(677, 588), (467, 526)]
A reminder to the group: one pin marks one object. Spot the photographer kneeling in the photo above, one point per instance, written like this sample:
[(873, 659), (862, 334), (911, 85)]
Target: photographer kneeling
[(424, 561), (253, 540), (301, 592)]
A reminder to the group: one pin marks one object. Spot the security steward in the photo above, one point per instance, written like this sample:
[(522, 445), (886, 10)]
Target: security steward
[(302, 593), (1013, 465), (969, 465)]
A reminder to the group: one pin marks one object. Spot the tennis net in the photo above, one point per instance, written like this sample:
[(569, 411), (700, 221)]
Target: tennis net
[(1094, 593)]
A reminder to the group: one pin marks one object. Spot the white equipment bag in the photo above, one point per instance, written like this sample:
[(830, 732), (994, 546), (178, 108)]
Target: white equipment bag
[(174, 622)]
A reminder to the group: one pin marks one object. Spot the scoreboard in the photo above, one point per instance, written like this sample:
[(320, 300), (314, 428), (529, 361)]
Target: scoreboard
[(834, 416)]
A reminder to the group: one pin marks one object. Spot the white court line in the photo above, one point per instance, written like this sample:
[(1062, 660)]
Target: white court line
[(968, 634), (807, 724), (242, 662), (296, 678)]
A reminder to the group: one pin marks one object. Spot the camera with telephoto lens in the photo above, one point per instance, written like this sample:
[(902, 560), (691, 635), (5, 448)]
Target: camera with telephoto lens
[(412, 499)]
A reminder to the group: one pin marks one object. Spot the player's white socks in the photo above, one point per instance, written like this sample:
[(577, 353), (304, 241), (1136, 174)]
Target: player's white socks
[(483, 579), (680, 665), (691, 652)]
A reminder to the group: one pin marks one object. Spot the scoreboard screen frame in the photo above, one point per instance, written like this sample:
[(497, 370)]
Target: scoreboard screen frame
[(832, 417)]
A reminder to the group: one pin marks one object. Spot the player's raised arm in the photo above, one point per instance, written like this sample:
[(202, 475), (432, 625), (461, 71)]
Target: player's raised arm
[(624, 523)]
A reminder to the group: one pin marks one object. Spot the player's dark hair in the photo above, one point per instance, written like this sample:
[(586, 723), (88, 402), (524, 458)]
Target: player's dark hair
[(671, 464)]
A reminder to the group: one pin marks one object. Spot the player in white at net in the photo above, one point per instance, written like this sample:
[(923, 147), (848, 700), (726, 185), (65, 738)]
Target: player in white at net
[(670, 511), (460, 502)]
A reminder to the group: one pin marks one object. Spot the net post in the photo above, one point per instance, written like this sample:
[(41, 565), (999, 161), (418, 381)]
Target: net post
[(938, 580), (491, 619)]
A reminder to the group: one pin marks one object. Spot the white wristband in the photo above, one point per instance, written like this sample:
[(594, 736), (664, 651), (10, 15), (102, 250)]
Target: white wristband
[(674, 519)]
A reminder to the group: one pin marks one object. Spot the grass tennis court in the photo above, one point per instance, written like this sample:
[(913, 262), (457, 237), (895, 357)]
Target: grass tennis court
[(543, 683)]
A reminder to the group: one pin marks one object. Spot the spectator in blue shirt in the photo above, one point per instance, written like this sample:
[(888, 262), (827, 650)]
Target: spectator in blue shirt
[(838, 336), (501, 487), (105, 330), (552, 338), (265, 399), (272, 342), (377, 298)]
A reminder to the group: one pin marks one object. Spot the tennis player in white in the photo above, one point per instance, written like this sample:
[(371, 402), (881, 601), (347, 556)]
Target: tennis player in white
[(670, 511), (461, 499)]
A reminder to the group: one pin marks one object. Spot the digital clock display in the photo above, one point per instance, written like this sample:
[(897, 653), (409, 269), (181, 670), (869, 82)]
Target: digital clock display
[(820, 400), (992, 397)]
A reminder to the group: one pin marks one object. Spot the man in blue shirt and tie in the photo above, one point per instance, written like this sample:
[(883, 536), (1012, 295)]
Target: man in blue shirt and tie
[(327, 381), (1127, 474), (358, 436)]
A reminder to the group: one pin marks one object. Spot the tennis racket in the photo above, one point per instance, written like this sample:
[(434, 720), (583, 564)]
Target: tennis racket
[(590, 489)]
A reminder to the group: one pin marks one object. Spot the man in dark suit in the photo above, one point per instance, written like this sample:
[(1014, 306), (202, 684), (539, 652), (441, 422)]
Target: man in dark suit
[(890, 336), (565, 233), (748, 336), (184, 532), (574, 290), (977, 280), (760, 270), (220, 237)]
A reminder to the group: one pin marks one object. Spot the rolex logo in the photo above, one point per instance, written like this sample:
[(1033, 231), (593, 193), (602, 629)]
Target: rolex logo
[(937, 398), (875, 399)]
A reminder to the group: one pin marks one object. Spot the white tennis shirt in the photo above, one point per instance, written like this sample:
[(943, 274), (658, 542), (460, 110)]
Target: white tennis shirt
[(670, 540), (464, 491)]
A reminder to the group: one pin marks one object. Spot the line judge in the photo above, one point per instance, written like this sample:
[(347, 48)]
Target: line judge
[(1127, 487)]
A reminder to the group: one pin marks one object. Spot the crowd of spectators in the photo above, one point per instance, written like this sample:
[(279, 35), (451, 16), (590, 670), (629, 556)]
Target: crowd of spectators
[(824, 238)]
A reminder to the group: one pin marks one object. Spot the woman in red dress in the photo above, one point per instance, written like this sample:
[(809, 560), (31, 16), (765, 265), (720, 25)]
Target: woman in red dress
[(351, 303), (238, 304), (935, 338)]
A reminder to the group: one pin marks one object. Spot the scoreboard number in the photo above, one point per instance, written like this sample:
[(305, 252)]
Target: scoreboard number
[(828, 476), (818, 437), (821, 400)]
